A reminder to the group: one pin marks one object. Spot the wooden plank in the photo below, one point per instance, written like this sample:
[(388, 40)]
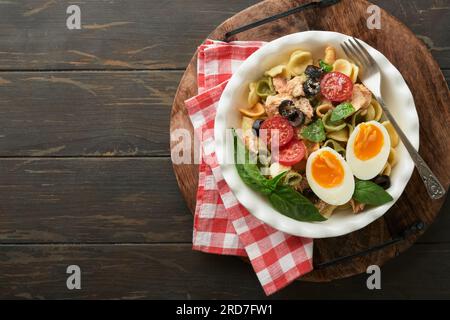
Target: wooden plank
[(117, 34), (107, 200), (438, 231), (428, 19), (86, 113), (176, 272), (446, 75), (150, 34), (91, 200)]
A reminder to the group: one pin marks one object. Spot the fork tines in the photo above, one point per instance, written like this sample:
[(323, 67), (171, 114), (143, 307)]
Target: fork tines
[(356, 51)]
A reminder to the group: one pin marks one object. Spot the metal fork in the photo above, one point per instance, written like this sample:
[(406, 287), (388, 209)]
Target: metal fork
[(371, 78)]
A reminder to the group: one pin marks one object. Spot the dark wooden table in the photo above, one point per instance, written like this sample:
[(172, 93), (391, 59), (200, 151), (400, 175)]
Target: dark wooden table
[(85, 170)]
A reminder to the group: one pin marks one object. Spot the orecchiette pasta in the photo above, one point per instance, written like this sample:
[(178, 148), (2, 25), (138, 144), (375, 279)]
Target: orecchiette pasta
[(333, 144), (346, 67), (264, 87), (387, 169), (253, 98), (277, 70), (378, 111), (392, 133), (392, 159), (323, 109), (257, 111), (343, 66), (330, 55), (293, 179), (350, 128), (325, 209), (345, 206), (328, 210), (298, 62), (357, 118), (341, 135), (370, 113), (391, 162), (331, 126), (355, 73)]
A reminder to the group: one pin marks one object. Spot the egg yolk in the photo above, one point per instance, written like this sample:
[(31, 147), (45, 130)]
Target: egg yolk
[(368, 141), (327, 170)]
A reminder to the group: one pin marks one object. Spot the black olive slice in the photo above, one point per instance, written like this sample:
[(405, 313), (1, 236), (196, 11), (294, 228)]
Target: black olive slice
[(314, 72), (382, 181), (308, 193), (297, 118), (311, 87), (286, 108), (257, 125)]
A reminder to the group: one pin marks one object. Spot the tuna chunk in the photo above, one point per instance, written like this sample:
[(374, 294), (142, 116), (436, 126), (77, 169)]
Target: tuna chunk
[(280, 84), (305, 106), (273, 102), (325, 209), (361, 97), (356, 206), (295, 86)]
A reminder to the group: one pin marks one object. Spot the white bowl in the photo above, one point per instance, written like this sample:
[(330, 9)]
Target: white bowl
[(395, 93)]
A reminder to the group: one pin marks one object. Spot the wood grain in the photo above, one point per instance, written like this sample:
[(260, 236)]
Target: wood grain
[(428, 20), (91, 200), (176, 272), (116, 34), (113, 200), (431, 94), (152, 34), (123, 220), (86, 113)]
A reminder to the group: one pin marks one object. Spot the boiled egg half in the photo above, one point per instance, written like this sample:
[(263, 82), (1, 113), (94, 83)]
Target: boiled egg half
[(330, 177), (368, 149)]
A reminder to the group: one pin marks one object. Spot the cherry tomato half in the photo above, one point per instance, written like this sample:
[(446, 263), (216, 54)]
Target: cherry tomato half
[(292, 153), (336, 87), (285, 130)]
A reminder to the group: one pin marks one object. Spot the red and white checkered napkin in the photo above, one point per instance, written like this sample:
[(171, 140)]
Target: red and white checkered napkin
[(221, 224)]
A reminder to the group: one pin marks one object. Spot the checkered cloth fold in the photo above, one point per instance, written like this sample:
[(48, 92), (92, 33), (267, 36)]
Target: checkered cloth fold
[(221, 224)]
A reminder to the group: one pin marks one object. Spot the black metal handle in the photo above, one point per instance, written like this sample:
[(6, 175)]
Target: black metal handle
[(310, 5), (414, 229)]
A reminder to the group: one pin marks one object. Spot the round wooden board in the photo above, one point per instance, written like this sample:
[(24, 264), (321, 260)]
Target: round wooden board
[(431, 96)]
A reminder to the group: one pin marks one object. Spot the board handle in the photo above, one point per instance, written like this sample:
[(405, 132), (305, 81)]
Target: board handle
[(414, 229), (310, 5)]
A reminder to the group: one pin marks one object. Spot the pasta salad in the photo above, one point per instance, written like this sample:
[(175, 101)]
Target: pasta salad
[(318, 137)]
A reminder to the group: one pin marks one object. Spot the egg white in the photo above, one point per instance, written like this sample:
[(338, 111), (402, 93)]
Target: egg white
[(368, 169), (338, 195)]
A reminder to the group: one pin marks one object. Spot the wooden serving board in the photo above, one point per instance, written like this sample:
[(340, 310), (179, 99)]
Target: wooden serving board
[(431, 96)]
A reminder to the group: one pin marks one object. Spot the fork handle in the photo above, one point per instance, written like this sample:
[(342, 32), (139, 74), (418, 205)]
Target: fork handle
[(432, 184)]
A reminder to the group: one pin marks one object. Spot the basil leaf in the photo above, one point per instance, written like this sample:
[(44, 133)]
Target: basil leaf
[(315, 132), (294, 205), (342, 111), (273, 183), (370, 193), (249, 172), (325, 66)]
